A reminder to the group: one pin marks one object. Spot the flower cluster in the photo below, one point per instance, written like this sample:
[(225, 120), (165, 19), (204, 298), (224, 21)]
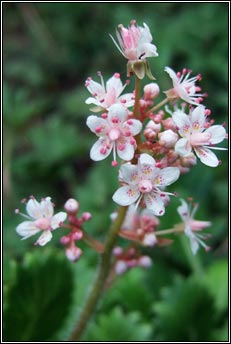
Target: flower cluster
[(153, 142)]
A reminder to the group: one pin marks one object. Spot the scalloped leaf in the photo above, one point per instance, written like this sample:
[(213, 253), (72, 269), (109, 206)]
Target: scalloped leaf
[(40, 298)]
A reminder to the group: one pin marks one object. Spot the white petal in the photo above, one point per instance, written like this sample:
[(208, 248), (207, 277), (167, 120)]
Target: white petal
[(206, 156), (166, 176), (218, 133), (129, 173), (92, 100), (95, 153), (93, 122), (119, 111), (183, 147), (146, 159), (47, 207), (26, 229), (134, 128), (193, 240), (183, 210), (198, 119), (154, 202), (147, 50), (95, 88), (57, 219), (172, 74), (126, 195), (128, 152), (127, 99), (33, 208), (44, 238), (182, 121), (115, 83)]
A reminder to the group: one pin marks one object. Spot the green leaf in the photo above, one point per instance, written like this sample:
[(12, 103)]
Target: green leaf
[(39, 300), (216, 280), (119, 326), (185, 313)]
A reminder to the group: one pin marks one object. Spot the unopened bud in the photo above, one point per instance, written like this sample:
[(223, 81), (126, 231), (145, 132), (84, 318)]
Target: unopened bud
[(167, 138), (71, 206), (151, 91), (120, 267), (145, 261)]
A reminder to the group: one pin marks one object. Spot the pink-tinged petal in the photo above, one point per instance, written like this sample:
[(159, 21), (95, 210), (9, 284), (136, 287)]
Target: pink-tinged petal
[(217, 132), (166, 176), (47, 207), (97, 125), (95, 88), (193, 241), (183, 211), (33, 209), (198, 119), (26, 229), (125, 149), (133, 126), (127, 99), (182, 122), (154, 203), (117, 111), (110, 98), (183, 147), (114, 83), (206, 156), (146, 166), (147, 50), (129, 173), (126, 195), (172, 74), (101, 149), (44, 238), (57, 219)]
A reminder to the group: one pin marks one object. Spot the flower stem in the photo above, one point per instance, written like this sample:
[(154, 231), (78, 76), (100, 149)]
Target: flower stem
[(137, 98), (175, 229), (159, 105), (104, 268)]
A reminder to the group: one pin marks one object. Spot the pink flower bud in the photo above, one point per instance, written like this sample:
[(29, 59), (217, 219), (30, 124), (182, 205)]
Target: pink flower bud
[(86, 216), (149, 239), (145, 261), (151, 91), (65, 240), (73, 253), (117, 251), (120, 267), (71, 206), (167, 138)]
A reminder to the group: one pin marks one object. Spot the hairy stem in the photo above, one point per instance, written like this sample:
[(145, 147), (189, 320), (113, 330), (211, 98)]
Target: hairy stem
[(104, 268)]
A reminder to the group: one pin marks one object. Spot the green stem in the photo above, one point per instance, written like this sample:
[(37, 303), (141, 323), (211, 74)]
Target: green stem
[(159, 105), (175, 229), (136, 110), (104, 268)]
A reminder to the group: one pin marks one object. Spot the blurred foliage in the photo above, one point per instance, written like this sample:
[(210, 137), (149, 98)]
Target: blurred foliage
[(49, 49)]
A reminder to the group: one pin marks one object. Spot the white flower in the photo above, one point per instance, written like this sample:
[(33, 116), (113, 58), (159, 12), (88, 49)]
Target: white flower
[(192, 226), (195, 137), (115, 134), (184, 87), (142, 181), (135, 42), (41, 219), (105, 96)]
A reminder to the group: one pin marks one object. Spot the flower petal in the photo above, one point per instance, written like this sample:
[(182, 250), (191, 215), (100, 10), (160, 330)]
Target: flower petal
[(33, 208), (166, 176), (47, 207), (154, 202), (44, 238), (129, 173), (126, 195), (116, 84), (95, 88), (117, 111), (127, 99), (182, 121), (26, 229), (94, 122), (206, 156), (146, 166), (134, 127), (193, 240), (218, 133), (172, 74), (127, 153), (101, 145), (198, 119), (183, 211), (183, 147), (57, 219)]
